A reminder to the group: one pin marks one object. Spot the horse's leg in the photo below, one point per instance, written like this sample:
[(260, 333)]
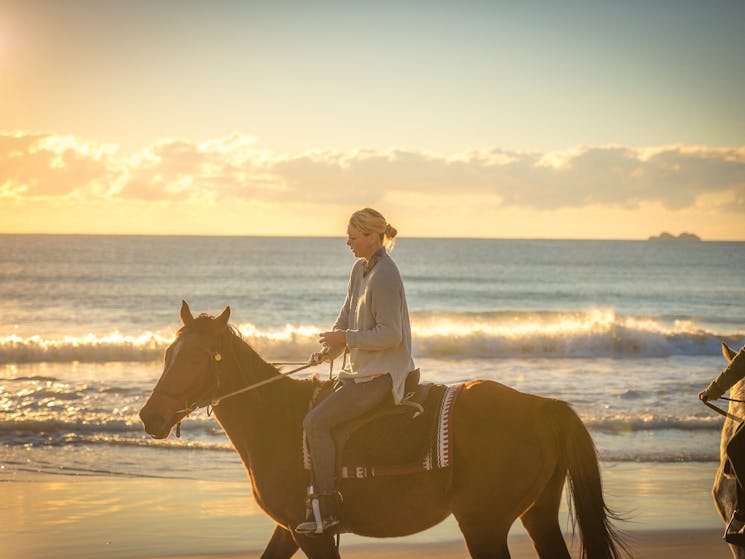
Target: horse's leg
[(499, 467), (485, 540), (318, 547), (541, 520), (281, 545)]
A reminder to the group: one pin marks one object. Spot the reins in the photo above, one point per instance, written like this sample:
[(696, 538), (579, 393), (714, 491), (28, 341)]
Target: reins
[(303, 365), (720, 411), (215, 401), (732, 399), (208, 398), (217, 357)]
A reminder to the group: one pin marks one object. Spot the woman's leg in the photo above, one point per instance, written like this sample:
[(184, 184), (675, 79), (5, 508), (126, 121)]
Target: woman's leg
[(350, 401)]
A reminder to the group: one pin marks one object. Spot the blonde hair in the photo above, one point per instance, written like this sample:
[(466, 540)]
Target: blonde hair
[(368, 220)]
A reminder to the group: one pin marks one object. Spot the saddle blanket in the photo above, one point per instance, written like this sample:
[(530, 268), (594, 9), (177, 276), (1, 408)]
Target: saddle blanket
[(397, 441)]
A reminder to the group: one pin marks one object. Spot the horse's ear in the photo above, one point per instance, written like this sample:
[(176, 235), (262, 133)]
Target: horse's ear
[(727, 352), (222, 320), (186, 316)]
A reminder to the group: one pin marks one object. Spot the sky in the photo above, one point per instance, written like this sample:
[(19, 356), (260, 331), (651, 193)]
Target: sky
[(574, 119)]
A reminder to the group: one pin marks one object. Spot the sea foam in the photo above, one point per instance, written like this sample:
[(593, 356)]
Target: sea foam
[(439, 335)]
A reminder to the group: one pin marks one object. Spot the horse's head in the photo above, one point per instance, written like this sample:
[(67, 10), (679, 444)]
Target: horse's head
[(189, 379)]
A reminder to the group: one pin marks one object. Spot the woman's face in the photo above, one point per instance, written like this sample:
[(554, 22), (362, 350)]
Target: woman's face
[(362, 245)]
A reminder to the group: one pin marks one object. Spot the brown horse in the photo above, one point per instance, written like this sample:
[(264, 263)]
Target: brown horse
[(511, 455)]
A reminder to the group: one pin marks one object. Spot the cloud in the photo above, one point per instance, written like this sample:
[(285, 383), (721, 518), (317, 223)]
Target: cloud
[(41, 165), (232, 169)]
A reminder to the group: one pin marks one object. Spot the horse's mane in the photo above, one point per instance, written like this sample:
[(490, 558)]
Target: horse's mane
[(200, 322), (203, 319)]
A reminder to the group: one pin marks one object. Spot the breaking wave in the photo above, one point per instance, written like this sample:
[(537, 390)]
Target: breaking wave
[(493, 335)]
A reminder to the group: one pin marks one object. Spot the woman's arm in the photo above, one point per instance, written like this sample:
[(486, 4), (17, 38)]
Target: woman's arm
[(335, 341), (734, 372), (342, 320)]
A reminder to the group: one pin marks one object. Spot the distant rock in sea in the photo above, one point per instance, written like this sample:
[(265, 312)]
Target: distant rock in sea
[(665, 236)]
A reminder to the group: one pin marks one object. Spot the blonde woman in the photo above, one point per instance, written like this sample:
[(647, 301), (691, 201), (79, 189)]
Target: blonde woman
[(373, 325)]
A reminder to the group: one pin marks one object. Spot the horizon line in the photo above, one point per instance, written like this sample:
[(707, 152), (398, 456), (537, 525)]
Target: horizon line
[(475, 238)]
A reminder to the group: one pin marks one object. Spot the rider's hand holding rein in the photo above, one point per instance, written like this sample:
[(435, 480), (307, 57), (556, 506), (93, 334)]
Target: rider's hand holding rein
[(333, 340), (319, 357), (703, 396), (333, 344)]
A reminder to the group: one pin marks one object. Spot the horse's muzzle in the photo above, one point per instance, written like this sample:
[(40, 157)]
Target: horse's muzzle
[(157, 426)]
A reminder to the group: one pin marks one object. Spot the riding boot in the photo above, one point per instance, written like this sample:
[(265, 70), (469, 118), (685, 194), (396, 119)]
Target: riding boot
[(322, 514), (735, 532), (309, 499)]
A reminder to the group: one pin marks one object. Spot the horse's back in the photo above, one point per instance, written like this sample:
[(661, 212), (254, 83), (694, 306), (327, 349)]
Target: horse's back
[(494, 417), (490, 404)]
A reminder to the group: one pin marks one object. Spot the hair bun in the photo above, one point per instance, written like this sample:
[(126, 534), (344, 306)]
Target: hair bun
[(390, 231)]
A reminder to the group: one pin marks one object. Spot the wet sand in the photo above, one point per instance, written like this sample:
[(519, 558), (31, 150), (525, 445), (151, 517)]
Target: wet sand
[(46, 516), (664, 544)]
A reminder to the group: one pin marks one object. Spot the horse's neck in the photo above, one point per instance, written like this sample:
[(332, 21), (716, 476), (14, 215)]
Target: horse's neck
[(263, 424), (250, 367)]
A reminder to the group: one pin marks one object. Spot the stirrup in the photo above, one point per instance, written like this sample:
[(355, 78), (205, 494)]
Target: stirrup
[(322, 514)]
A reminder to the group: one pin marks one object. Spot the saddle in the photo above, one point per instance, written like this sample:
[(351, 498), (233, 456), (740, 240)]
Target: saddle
[(411, 437)]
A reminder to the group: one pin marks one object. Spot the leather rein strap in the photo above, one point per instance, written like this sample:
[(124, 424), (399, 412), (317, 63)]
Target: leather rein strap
[(216, 401), (304, 366), (216, 361), (720, 411)]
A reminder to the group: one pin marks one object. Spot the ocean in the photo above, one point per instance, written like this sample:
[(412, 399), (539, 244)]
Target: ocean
[(628, 332)]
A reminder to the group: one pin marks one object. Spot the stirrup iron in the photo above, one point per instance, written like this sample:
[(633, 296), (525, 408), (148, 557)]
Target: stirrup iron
[(320, 518)]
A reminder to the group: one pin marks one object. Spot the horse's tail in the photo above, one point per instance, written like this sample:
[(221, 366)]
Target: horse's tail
[(599, 538)]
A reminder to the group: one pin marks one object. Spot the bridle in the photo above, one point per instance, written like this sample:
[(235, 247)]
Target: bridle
[(210, 401)]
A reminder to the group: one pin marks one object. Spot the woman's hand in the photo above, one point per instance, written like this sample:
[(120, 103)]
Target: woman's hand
[(320, 356), (334, 339), (703, 396)]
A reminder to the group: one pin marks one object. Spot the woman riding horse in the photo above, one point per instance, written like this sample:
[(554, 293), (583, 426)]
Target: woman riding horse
[(512, 453), (373, 325), (733, 373)]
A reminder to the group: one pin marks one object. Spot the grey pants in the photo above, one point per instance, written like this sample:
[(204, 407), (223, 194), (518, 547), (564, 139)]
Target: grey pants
[(348, 402)]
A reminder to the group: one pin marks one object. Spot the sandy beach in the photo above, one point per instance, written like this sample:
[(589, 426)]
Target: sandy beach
[(663, 544), (45, 516)]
